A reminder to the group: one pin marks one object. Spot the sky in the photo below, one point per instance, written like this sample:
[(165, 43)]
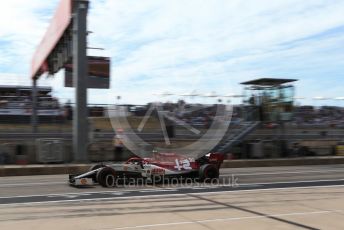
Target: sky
[(196, 45)]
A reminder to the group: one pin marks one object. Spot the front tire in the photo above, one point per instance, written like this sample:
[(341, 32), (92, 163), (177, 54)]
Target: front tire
[(106, 177)]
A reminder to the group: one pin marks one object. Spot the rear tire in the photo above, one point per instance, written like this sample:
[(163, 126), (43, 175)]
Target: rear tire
[(208, 172), (106, 177)]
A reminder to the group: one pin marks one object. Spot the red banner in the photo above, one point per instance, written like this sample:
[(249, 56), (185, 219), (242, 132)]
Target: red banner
[(58, 25)]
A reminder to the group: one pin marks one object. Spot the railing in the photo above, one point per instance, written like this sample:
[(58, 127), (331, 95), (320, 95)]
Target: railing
[(236, 137)]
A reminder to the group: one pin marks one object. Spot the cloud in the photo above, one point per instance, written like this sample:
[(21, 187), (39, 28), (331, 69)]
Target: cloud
[(22, 26)]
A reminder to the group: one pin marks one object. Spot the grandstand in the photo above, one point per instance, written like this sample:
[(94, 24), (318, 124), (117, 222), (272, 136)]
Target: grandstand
[(16, 105)]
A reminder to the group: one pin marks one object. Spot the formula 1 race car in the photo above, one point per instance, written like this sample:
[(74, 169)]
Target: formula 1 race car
[(156, 169)]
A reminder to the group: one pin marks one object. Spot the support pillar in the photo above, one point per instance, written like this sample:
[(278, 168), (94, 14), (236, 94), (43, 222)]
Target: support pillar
[(80, 71), (34, 117)]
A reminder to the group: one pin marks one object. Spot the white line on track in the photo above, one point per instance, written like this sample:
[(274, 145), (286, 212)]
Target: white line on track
[(160, 190), (30, 184), (223, 219), (268, 189), (282, 172), (89, 193), (288, 182)]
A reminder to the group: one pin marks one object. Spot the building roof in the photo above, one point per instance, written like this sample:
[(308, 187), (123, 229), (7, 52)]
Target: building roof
[(22, 88), (268, 81)]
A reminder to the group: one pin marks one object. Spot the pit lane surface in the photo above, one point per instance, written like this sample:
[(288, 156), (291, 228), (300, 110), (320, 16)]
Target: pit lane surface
[(309, 197)]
